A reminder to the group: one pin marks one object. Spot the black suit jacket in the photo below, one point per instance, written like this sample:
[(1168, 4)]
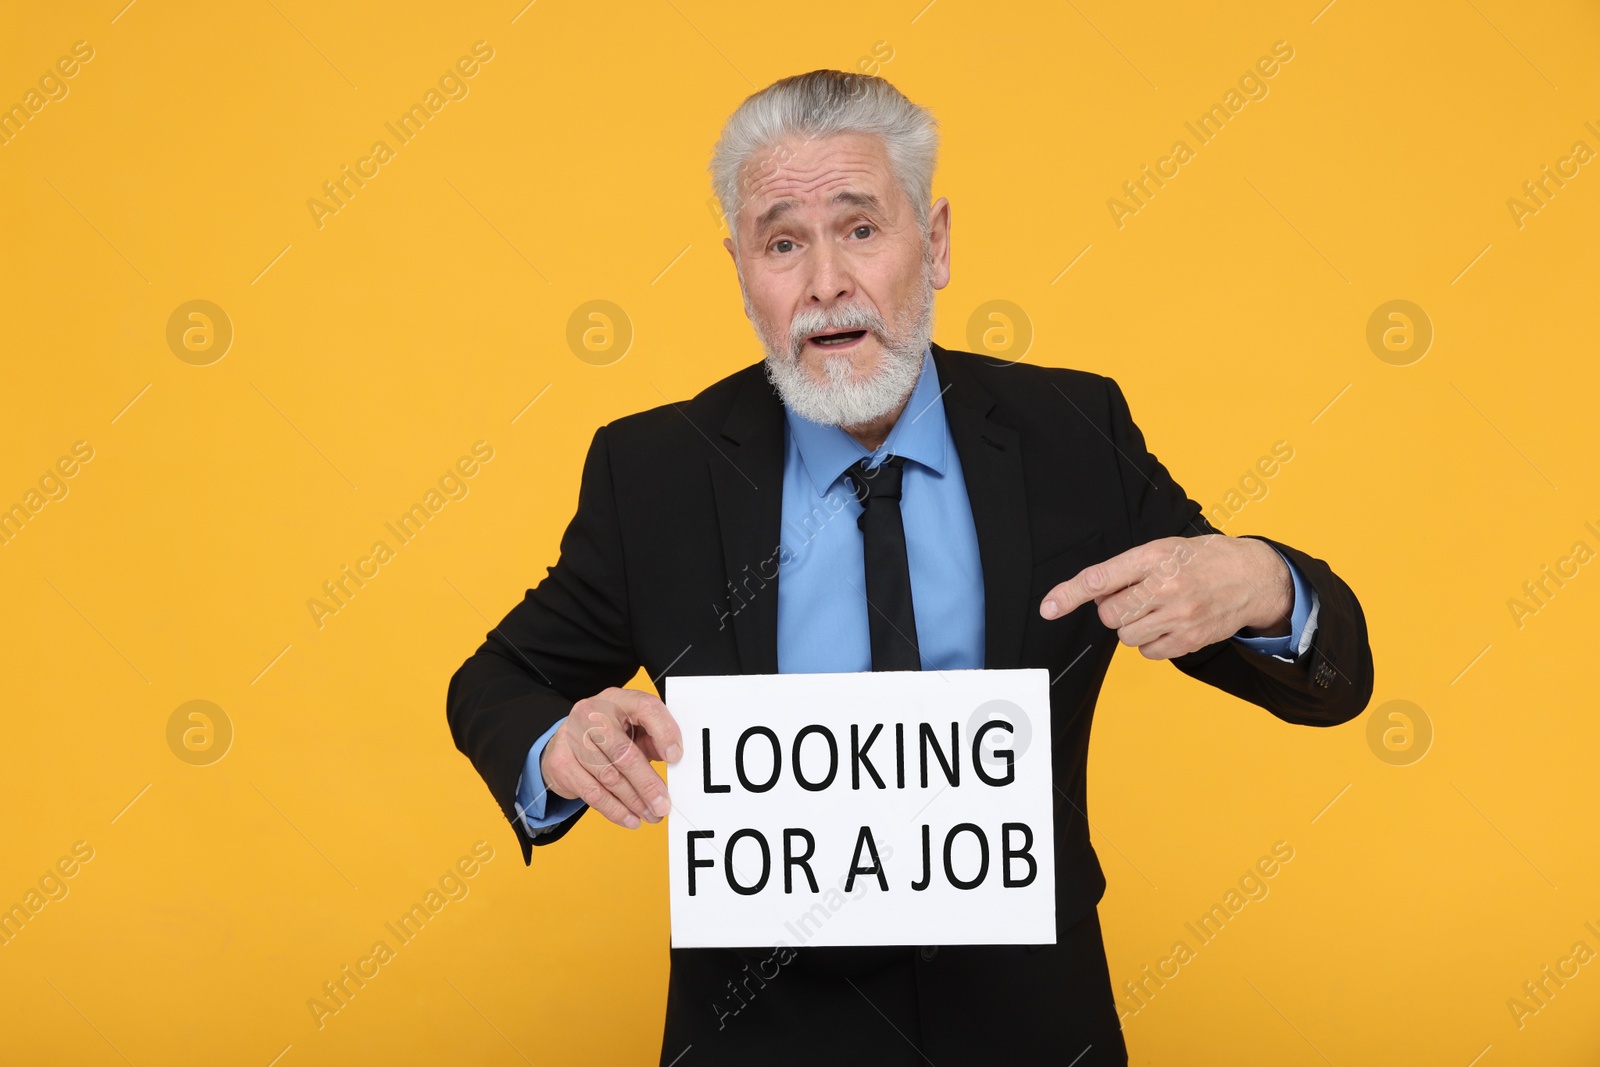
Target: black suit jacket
[(670, 563)]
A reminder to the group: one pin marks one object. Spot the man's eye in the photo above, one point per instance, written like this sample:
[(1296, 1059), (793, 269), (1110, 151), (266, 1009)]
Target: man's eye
[(782, 244), (863, 231)]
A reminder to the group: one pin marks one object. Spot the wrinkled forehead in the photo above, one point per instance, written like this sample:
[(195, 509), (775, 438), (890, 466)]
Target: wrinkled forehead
[(810, 173)]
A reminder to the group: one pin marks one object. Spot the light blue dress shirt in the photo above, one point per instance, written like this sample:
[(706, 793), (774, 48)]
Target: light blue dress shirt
[(822, 603)]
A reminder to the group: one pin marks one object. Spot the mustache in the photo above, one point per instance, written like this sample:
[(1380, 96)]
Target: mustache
[(809, 321)]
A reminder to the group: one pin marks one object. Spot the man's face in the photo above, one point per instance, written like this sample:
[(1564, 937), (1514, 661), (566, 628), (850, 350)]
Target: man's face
[(837, 277)]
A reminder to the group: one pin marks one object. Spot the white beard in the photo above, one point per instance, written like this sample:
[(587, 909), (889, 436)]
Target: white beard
[(842, 400)]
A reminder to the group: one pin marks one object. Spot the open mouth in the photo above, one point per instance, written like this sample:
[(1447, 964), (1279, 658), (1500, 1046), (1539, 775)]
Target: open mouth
[(839, 339)]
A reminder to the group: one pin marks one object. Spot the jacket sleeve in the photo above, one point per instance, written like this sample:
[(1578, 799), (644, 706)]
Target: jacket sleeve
[(567, 640), (1328, 683)]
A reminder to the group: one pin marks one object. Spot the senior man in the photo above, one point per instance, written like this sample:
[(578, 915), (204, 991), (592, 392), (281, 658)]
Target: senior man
[(1004, 516)]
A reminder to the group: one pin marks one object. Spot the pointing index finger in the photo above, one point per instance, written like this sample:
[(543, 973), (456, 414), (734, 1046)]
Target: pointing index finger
[(1094, 581)]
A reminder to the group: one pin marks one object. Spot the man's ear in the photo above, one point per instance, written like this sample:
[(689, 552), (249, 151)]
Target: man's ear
[(939, 241), (738, 274)]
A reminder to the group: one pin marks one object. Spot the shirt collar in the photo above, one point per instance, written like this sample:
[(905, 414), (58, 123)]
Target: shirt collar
[(919, 435)]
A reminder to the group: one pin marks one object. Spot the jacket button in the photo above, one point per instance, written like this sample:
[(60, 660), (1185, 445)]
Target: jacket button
[(929, 951)]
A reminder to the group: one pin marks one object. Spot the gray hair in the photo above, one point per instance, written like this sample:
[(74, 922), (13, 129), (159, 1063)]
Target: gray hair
[(820, 104)]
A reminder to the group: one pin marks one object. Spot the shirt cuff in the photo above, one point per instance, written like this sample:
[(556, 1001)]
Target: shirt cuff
[(1302, 621), (537, 807)]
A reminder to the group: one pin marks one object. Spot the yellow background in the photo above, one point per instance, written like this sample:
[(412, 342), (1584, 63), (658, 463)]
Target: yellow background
[(432, 309)]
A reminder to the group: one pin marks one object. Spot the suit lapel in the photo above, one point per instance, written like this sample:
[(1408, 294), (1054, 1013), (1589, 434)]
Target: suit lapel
[(991, 463), (747, 481)]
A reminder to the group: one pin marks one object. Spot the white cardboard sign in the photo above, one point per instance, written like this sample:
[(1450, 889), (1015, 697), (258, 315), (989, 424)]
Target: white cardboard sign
[(879, 808)]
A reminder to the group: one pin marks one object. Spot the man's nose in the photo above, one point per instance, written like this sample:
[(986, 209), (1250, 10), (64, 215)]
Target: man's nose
[(831, 280)]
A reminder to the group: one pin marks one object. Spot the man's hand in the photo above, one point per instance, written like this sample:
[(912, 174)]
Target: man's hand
[(602, 753), (1178, 594)]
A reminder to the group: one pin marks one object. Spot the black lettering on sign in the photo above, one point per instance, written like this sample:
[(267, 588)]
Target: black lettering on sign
[(833, 758), (951, 766), (1006, 854), (693, 863), (858, 755), (777, 759), (983, 853), (927, 866), (705, 751), (865, 838), (766, 863), (790, 860), (1004, 753)]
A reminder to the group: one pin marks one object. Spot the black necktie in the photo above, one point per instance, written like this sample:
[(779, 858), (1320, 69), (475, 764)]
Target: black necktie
[(890, 622)]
